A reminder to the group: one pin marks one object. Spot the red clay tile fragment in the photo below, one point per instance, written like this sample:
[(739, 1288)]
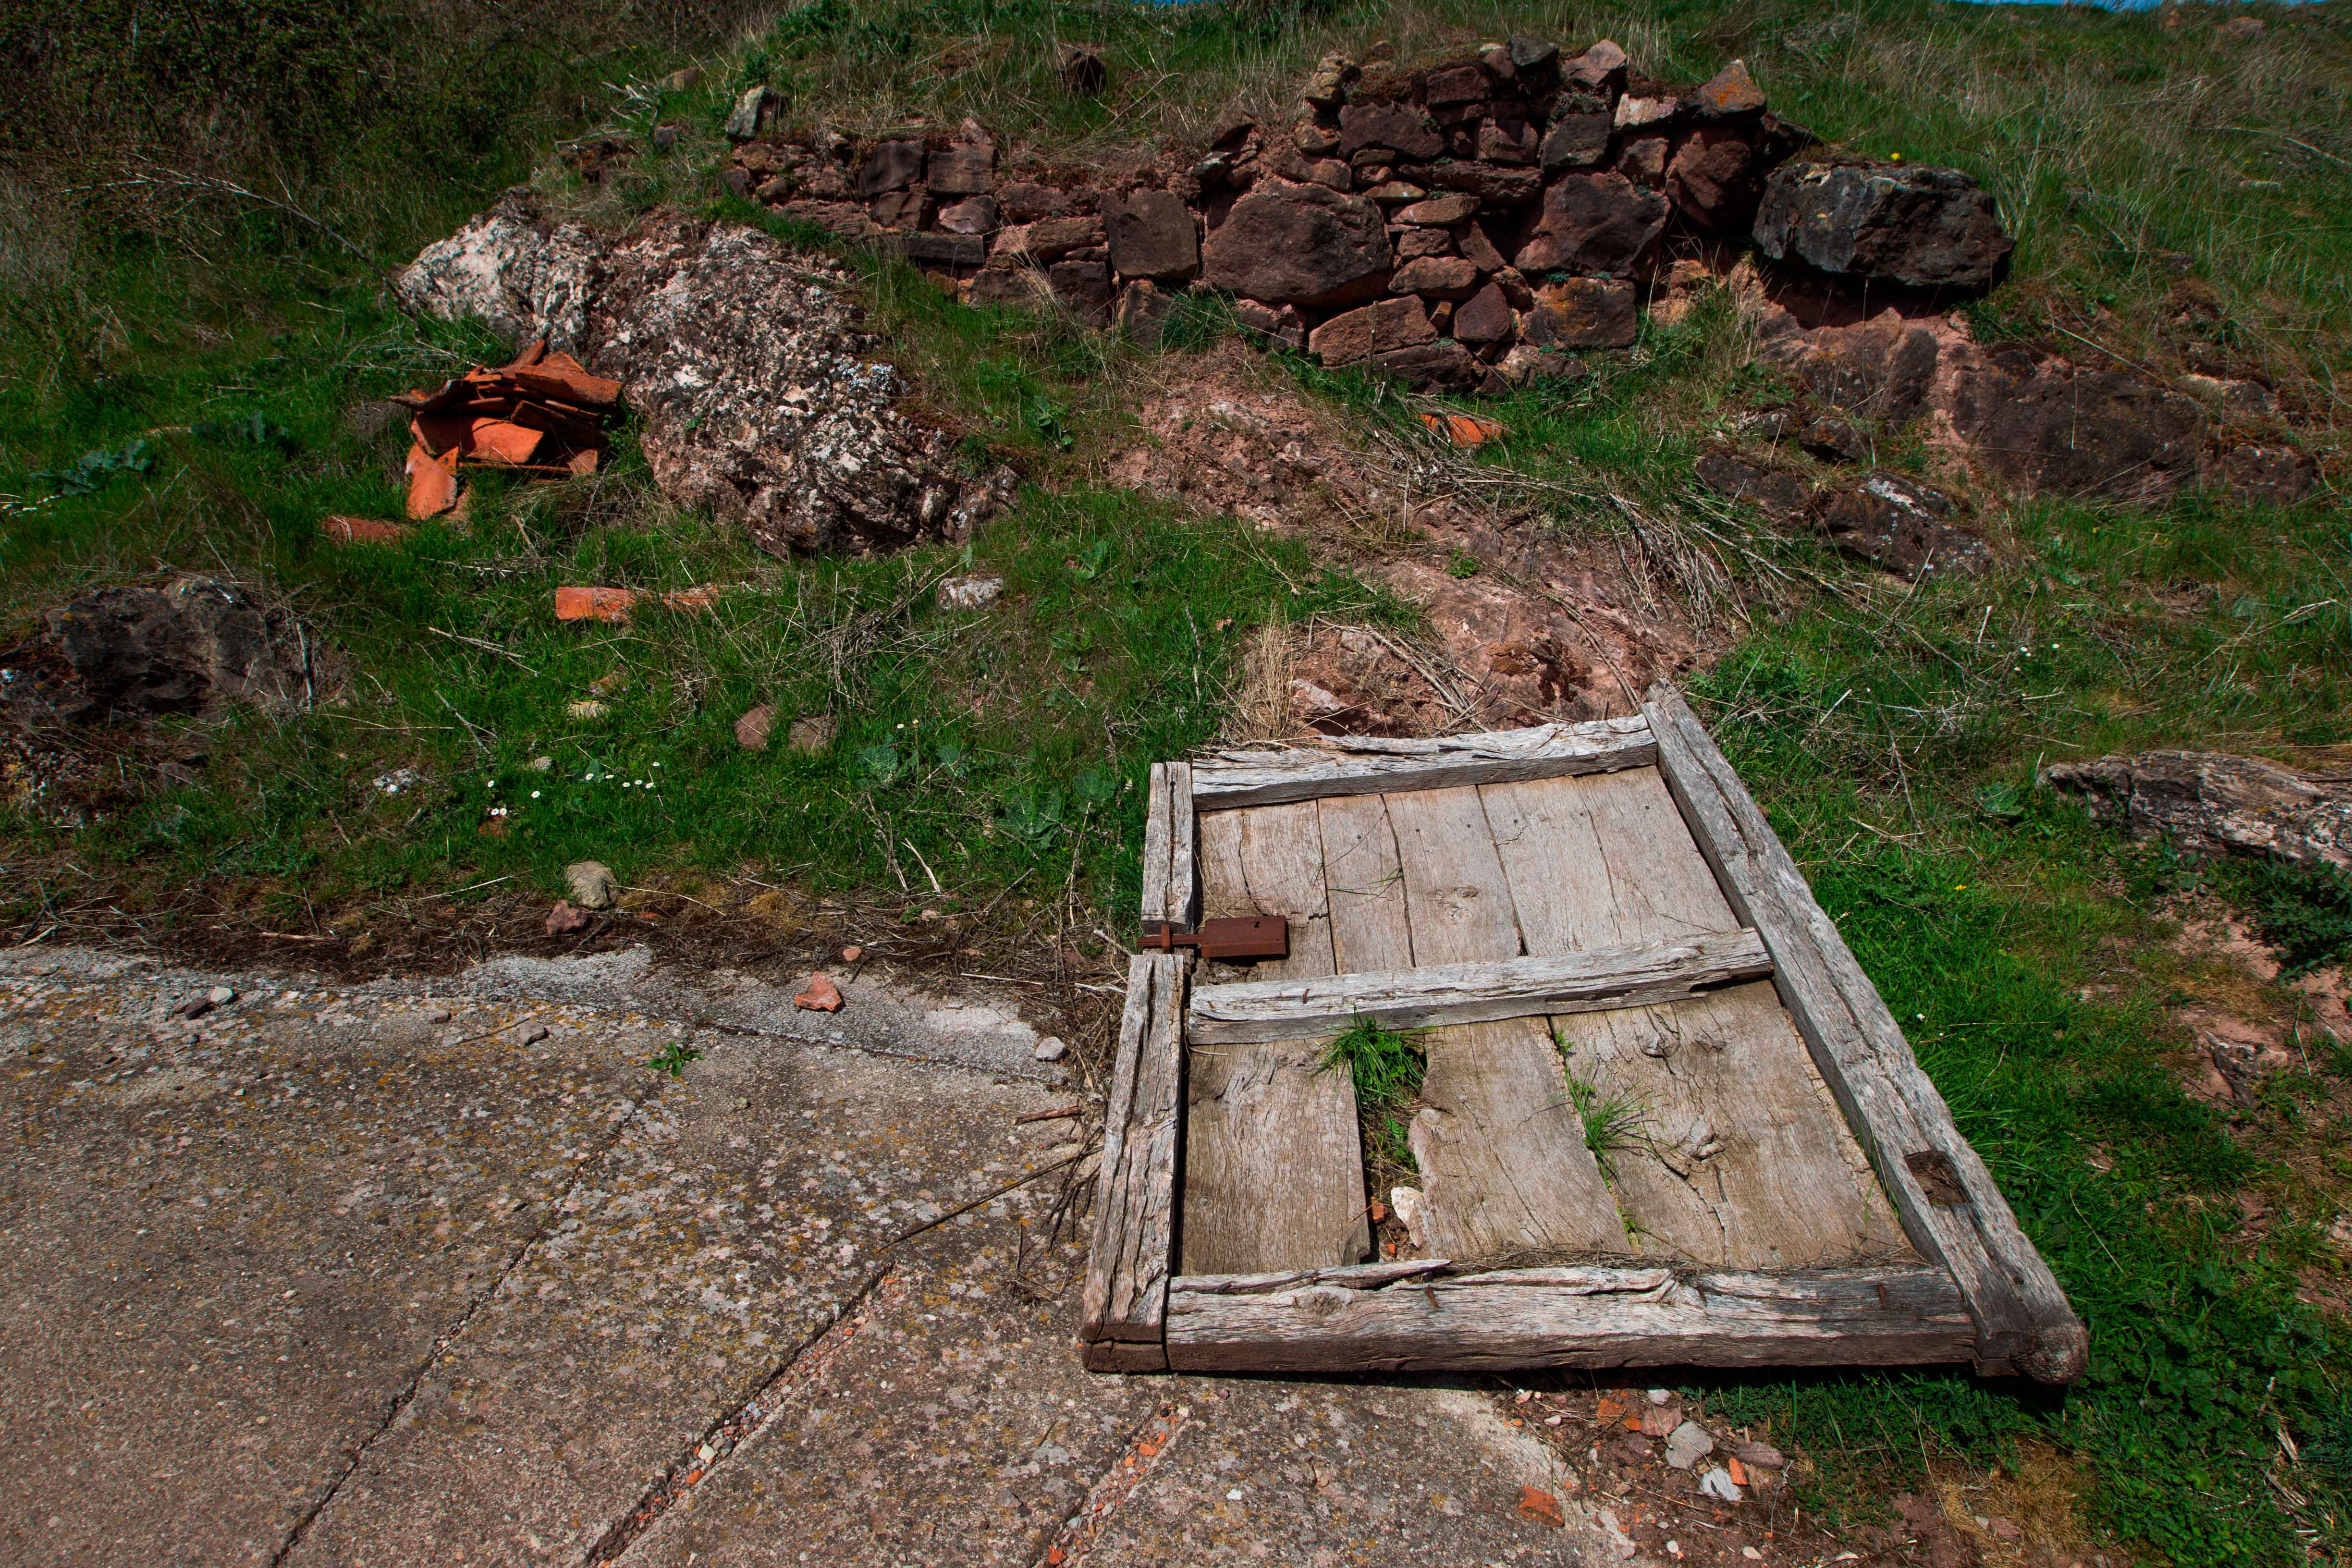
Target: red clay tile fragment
[(582, 463), (439, 433), (822, 995), (594, 603), (432, 487), (344, 529), (572, 385), (686, 600), (1537, 1504), (501, 441), (1463, 429)]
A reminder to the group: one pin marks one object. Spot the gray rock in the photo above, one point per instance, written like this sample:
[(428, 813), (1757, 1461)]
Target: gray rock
[(1151, 236), (1590, 223), (592, 883), (2051, 426), (2212, 804), (1900, 524), (1687, 1443), (972, 591), (889, 166), (187, 646), (1582, 313), (1402, 128), (1902, 223), (749, 116)]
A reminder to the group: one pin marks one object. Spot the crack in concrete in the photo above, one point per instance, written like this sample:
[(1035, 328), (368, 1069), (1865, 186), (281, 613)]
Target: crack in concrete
[(1115, 1486), (482, 1297), (730, 1433)]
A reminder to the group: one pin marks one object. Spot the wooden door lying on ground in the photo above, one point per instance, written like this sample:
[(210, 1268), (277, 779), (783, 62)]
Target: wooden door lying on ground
[(1588, 913)]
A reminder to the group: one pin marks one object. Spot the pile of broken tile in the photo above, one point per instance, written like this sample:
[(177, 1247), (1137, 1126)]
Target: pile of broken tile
[(543, 416)]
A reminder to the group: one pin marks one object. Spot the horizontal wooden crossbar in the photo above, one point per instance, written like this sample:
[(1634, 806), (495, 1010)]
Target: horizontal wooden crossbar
[(1226, 780), (1473, 993), (1404, 1317)]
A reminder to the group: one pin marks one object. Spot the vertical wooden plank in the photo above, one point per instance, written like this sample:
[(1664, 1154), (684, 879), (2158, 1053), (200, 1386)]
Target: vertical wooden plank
[(1366, 885), (1554, 837), (1273, 1173), (1456, 898), (1184, 872), (1606, 860), (1170, 888), (1268, 860), (1158, 847), (1126, 1291), (1504, 1169), (1947, 1199)]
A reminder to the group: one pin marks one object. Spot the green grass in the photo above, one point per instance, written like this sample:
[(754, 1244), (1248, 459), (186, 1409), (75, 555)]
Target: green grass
[(1386, 1066), (974, 748), (1609, 1122)]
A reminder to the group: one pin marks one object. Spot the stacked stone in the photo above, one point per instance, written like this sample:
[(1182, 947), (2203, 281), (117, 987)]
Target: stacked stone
[(1467, 226)]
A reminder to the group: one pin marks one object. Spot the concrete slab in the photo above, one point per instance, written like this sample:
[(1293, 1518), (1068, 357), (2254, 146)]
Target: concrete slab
[(389, 1274), (227, 1245)]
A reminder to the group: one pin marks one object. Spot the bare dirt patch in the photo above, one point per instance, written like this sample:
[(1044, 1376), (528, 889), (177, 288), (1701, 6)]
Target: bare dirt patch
[(1528, 622)]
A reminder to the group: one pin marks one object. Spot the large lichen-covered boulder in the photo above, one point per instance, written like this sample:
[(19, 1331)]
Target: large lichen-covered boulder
[(1871, 219), (759, 394)]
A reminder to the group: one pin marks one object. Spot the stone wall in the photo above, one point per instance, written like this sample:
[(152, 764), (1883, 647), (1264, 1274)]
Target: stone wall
[(1465, 227)]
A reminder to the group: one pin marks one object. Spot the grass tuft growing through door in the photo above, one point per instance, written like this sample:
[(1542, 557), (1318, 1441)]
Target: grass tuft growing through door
[(1388, 1067)]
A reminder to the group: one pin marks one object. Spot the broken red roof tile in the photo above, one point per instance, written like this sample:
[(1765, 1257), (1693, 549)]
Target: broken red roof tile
[(432, 487), (346, 530), (594, 603)]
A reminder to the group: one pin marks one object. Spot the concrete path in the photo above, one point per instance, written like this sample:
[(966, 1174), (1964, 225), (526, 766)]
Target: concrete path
[(406, 1273)]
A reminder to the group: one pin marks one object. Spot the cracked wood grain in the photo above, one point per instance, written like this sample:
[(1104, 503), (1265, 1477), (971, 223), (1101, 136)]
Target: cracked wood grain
[(1739, 1158), (1273, 1162)]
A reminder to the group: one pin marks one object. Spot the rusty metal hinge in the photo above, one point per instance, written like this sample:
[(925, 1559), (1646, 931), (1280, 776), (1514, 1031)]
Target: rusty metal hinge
[(1237, 940)]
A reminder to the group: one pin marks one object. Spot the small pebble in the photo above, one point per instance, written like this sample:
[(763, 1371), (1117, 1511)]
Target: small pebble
[(851, 954), (221, 995), (534, 1035), (1051, 1049)]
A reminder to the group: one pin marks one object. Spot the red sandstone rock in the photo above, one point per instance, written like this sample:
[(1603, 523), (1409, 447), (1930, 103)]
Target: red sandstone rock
[(1379, 328), (1592, 223), (1302, 245)]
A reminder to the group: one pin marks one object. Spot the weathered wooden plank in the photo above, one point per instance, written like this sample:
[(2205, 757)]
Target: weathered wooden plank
[(1225, 780), (1563, 844), (1949, 1204), (1274, 1172), (1126, 1291), (1366, 885), (1170, 890), (1476, 993), (1158, 848), (1607, 860), (1739, 1158), (1456, 898), (1183, 897), (1269, 861), (1504, 1168), (1596, 1317)]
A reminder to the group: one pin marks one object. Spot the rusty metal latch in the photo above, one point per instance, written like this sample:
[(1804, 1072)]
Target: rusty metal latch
[(1237, 940)]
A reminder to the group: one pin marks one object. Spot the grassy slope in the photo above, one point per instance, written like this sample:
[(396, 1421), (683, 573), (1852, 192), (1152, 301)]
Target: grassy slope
[(1894, 736)]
